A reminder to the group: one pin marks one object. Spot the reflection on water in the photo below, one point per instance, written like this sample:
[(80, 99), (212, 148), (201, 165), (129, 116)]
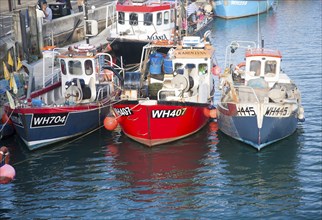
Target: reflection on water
[(166, 171)]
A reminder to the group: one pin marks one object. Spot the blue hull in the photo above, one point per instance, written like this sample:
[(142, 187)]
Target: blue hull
[(6, 130), (37, 132), (245, 129), (230, 9)]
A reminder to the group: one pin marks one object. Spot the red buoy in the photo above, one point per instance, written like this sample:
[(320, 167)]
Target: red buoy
[(213, 113), (110, 123), (7, 174)]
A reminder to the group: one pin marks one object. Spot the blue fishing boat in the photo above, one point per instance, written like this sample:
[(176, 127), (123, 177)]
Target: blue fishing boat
[(259, 103), (79, 86), (230, 9)]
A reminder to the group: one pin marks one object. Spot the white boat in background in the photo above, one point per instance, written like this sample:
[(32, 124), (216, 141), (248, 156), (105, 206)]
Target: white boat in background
[(230, 9), (139, 22), (259, 104)]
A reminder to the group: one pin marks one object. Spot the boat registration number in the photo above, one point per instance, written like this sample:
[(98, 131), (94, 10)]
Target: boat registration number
[(41, 120), (126, 111), (168, 113)]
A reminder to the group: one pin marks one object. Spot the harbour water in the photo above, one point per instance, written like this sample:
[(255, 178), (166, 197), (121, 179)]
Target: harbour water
[(208, 175)]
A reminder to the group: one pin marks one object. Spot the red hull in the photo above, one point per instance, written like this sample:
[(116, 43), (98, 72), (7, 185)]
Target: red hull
[(159, 123)]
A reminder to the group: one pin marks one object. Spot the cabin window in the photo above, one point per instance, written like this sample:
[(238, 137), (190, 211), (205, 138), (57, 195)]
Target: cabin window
[(63, 66), (159, 18), (88, 67), (270, 68), (166, 17), (148, 19), (179, 68), (202, 69), (75, 67), (172, 16), (255, 66), (121, 17), (134, 19)]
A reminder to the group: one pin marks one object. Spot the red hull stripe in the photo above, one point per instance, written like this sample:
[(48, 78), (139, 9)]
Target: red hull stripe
[(143, 8)]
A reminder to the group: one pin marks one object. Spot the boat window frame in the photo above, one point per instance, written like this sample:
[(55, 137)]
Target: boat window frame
[(159, 18), (133, 22), (172, 15), (88, 66), (166, 17), (269, 64), (63, 66), (254, 67), (148, 19), (122, 16), (73, 69)]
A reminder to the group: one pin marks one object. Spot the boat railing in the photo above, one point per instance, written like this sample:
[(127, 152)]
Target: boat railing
[(241, 94), (50, 67), (103, 91), (110, 14)]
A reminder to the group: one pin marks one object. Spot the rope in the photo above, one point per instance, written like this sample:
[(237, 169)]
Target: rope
[(6, 121), (57, 148)]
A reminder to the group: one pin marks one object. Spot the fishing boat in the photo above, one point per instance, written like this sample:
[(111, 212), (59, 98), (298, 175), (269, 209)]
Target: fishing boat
[(139, 22), (79, 86), (170, 96), (259, 104), (229, 9)]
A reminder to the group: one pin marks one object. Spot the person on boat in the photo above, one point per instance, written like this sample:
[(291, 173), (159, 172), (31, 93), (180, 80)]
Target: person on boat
[(80, 4), (48, 14), (192, 8)]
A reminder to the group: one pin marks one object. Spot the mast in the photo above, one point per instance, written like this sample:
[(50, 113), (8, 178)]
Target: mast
[(85, 19)]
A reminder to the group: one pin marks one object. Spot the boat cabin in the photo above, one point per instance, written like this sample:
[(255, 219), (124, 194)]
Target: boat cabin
[(181, 74), (83, 74), (263, 63), (145, 20)]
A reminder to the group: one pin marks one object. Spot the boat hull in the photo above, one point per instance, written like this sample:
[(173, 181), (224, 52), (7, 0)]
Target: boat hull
[(247, 129), (39, 127), (158, 123), (240, 8)]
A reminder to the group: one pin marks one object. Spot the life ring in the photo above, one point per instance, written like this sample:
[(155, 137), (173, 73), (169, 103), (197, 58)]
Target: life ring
[(240, 65), (107, 75), (48, 48)]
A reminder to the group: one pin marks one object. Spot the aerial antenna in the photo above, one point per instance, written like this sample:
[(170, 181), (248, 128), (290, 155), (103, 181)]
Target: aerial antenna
[(258, 40)]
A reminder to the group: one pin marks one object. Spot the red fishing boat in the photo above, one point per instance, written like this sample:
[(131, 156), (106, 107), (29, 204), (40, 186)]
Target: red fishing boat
[(170, 97)]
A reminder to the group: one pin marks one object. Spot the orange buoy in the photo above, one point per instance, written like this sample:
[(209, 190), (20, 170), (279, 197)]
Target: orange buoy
[(215, 70), (7, 174), (213, 126), (110, 123), (5, 119), (206, 112), (213, 113)]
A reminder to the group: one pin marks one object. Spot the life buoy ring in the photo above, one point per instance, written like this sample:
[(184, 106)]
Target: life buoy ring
[(48, 48), (240, 65), (107, 75)]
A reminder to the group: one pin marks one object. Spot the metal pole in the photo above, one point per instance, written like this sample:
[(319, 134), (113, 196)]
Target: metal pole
[(85, 19)]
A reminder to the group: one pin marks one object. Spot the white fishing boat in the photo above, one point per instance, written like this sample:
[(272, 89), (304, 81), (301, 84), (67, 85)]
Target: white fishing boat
[(259, 103)]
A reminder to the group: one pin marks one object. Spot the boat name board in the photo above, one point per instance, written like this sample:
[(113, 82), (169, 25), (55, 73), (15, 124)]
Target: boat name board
[(41, 120), (269, 111), (126, 111), (168, 113), (154, 36), (192, 53)]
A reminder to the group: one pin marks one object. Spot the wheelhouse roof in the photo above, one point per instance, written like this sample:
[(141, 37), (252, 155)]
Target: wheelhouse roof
[(263, 52), (151, 7)]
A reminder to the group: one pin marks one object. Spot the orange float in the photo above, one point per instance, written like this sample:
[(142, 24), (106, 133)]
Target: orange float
[(110, 123)]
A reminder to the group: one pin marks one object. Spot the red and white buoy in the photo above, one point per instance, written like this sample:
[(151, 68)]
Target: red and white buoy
[(110, 123), (7, 172)]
